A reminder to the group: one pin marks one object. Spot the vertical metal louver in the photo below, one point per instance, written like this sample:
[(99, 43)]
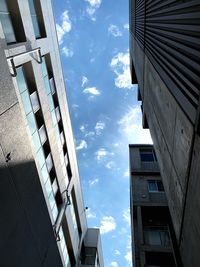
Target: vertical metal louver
[(169, 33)]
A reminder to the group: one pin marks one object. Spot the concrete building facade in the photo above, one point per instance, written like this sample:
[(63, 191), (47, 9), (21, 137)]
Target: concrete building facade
[(165, 63), (153, 237), (43, 221)]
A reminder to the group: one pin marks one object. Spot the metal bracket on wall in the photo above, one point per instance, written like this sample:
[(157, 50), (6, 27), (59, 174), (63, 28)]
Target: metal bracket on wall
[(12, 58)]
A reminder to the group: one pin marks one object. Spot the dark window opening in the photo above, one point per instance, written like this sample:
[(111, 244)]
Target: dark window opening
[(155, 186), (147, 155), (37, 18), (11, 21)]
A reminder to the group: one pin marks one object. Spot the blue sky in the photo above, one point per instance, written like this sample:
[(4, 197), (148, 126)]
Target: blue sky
[(106, 117)]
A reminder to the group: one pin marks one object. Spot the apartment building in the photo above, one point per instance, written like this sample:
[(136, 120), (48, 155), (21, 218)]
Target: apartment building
[(43, 221), (153, 237), (165, 63)]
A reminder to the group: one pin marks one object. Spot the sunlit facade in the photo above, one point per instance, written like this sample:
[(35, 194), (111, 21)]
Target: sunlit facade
[(43, 221)]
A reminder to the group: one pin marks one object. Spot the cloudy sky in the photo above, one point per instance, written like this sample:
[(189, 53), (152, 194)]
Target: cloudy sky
[(106, 117)]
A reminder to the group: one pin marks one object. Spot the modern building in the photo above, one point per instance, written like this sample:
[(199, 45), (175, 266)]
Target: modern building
[(43, 221), (153, 237), (165, 63)]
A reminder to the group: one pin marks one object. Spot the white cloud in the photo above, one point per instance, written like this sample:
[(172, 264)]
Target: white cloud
[(131, 127), (84, 81), (120, 66), (126, 173), (99, 127), (128, 255), (110, 165), (126, 26), (128, 258), (92, 91), (90, 214), (89, 134), (82, 128), (92, 7), (68, 52), (101, 153), (117, 252), (114, 30), (126, 216), (93, 182), (64, 27), (82, 145), (107, 224), (113, 264)]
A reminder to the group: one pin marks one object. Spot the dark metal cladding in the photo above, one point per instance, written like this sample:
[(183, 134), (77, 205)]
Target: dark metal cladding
[(169, 34)]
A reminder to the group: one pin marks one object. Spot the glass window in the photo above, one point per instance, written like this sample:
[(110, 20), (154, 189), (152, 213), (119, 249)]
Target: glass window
[(45, 174), (21, 80), (54, 117), (34, 18), (48, 187), (52, 200), (157, 236), (55, 212), (147, 155), (44, 67), (51, 104), (31, 122), (6, 22), (155, 186), (26, 102), (47, 85), (36, 141), (40, 157)]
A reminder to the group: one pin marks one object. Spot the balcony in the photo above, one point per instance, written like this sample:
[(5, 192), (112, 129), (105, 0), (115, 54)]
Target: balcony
[(42, 133), (146, 167), (35, 101)]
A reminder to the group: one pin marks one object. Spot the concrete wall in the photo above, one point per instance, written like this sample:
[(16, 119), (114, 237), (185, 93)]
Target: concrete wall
[(27, 237), (173, 136)]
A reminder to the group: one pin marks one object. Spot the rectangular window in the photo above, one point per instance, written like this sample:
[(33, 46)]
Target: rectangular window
[(37, 18), (155, 186), (157, 236), (11, 21), (147, 155)]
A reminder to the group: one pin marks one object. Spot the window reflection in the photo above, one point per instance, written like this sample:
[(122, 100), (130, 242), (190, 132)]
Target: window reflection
[(35, 101), (6, 22)]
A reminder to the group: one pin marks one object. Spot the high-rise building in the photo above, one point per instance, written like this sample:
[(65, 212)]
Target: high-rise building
[(153, 237), (42, 221), (165, 62)]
